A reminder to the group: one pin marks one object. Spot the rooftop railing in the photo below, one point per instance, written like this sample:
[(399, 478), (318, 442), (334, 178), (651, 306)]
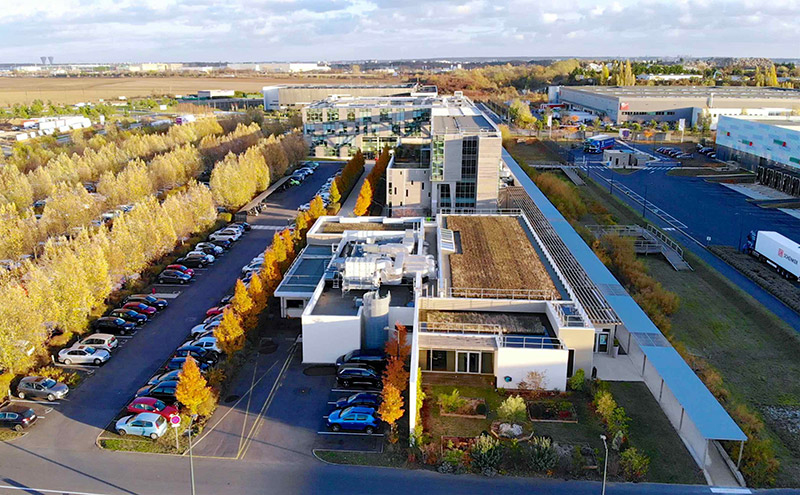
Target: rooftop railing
[(492, 293), (460, 328), (530, 342)]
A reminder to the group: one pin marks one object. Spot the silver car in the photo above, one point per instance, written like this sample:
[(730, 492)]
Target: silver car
[(37, 386), (83, 354), (104, 341)]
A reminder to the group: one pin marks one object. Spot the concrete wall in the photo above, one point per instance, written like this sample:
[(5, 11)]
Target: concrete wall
[(581, 340), (517, 363), (402, 315), (408, 189), (489, 151), (327, 337)]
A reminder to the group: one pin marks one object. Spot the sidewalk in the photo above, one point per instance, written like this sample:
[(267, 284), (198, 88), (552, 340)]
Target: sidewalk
[(350, 203)]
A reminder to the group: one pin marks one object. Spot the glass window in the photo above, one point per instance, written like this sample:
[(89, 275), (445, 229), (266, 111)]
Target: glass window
[(465, 194), (333, 114), (469, 157), (439, 361)]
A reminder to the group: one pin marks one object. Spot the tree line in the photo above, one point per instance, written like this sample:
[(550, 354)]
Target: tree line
[(367, 192)]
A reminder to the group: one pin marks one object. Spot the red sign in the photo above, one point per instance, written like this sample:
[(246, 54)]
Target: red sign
[(175, 420), (780, 253), (623, 106)]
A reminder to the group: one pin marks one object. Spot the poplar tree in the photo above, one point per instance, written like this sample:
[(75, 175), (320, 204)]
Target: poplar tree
[(364, 200), (229, 333), (192, 389)]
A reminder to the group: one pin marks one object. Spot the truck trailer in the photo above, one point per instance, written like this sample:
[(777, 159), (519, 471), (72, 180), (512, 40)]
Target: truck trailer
[(776, 250), (596, 144)]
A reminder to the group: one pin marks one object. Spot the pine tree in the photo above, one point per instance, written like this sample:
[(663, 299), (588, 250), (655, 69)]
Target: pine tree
[(192, 389), (229, 333), (364, 200), (241, 301), (391, 409)]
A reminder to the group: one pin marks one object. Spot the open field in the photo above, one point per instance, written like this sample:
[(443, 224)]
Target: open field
[(83, 89), (496, 254)]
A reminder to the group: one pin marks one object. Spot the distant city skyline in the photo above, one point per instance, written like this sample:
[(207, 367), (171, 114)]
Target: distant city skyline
[(96, 31)]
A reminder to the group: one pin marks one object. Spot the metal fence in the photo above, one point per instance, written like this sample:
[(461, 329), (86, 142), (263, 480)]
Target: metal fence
[(460, 328), (530, 342), (489, 293)]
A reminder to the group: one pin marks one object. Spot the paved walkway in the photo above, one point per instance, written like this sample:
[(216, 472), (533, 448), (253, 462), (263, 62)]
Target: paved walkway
[(350, 203), (617, 369), (718, 469)]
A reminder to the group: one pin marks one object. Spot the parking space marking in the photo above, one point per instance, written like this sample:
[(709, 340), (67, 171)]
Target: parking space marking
[(89, 370), (167, 295), (44, 490), (377, 435), (352, 391), (29, 401)]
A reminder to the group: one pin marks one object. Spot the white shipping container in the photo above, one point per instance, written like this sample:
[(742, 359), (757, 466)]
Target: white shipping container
[(779, 250)]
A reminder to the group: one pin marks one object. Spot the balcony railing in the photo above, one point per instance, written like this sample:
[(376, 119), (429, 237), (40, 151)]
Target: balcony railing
[(530, 342), (568, 315), (491, 293), (460, 328)]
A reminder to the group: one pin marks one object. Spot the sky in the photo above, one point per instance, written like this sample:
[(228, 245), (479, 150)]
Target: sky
[(335, 30)]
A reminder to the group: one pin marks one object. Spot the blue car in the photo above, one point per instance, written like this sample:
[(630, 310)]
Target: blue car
[(363, 399), (353, 419), (129, 315)]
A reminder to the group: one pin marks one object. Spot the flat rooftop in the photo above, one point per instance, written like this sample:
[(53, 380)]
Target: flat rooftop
[(461, 124), (338, 227), (339, 303), (689, 92), (306, 271), (509, 323), (496, 253), (791, 124)]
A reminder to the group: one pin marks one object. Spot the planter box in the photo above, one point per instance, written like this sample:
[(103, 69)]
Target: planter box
[(552, 411), (472, 405)]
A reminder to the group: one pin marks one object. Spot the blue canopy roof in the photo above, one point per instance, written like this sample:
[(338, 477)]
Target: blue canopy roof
[(700, 405)]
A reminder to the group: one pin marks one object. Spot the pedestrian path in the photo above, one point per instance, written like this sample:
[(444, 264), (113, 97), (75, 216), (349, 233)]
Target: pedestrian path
[(350, 203)]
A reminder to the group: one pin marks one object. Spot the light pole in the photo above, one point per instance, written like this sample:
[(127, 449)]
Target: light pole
[(605, 463), (191, 458)]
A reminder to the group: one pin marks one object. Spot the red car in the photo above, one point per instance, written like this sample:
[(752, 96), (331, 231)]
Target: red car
[(181, 268), (140, 308), (217, 310), (149, 404)]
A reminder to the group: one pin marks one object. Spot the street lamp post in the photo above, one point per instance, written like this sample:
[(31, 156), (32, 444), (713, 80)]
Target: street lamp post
[(605, 463), (191, 458)]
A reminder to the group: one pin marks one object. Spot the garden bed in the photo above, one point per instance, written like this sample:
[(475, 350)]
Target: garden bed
[(497, 431), (471, 408), (552, 411), (457, 443)]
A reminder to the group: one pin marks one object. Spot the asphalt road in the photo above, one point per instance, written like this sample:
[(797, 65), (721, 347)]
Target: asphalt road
[(59, 454)]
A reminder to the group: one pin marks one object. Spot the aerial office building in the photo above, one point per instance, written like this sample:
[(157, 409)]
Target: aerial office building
[(672, 103), (768, 147), (448, 152), (284, 96)]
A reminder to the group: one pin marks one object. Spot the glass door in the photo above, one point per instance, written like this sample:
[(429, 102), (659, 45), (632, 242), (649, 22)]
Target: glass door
[(468, 362), (602, 342)]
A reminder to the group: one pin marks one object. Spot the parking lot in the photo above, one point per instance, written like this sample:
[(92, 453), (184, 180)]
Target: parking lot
[(77, 420)]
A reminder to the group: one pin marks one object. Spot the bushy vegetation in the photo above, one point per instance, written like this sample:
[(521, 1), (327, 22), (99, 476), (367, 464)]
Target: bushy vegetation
[(564, 196), (486, 454), (451, 402), (513, 409), (367, 192)]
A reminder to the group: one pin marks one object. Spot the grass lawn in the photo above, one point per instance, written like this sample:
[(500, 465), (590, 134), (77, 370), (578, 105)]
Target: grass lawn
[(164, 445), (383, 459), (534, 151), (652, 433), (461, 427), (754, 350)]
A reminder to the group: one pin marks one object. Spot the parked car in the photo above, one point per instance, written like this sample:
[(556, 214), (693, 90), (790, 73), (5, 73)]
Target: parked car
[(209, 248), (211, 319), (17, 417), (181, 268), (209, 343), (217, 310), (246, 226), (163, 377), (162, 390), (363, 399), (304, 207), (83, 354), (113, 325), (231, 235), (374, 359), (176, 363), (173, 277), (207, 258), (140, 307), (357, 375), (223, 243), (204, 327), (148, 299), (199, 354), (104, 341), (143, 424), (193, 261), (152, 405), (712, 155), (45, 388), (353, 419), (252, 267), (129, 315)]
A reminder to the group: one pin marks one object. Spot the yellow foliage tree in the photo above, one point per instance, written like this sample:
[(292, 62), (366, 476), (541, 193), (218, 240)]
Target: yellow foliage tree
[(270, 271), (279, 249), (364, 200), (229, 333), (192, 389), (336, 196), (391, 409), (241, 301), (317, 208), (257, 294)]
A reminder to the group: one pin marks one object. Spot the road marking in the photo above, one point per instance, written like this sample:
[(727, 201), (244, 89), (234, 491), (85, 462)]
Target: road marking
[(167, 295), (266, 405), (715, 489), (28, 401), (269, 227), (44, 490)]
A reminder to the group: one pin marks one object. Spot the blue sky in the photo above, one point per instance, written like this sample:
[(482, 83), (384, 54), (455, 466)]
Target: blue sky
[(318, 30)]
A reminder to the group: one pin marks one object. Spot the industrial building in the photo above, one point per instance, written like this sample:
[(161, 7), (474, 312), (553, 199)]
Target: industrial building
[(768, 147), (215, 93), (285, 96), (673, 103), (448, 152), (280, 67)]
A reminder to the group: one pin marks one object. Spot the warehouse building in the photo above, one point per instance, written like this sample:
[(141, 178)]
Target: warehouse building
[(768, 147), (673, 103), (448, 152), (285, 96)]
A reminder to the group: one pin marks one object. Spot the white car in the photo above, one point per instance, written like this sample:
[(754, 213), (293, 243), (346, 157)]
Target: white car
[(202, 246), (103, 341), (305, 207), (252, 267), (209, 258), (204, 327), (83, 354), (144, 424), (209, 343), (225, 235)]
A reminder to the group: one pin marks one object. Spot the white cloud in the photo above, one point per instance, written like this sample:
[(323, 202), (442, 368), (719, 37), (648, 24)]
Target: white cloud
[(549, 17)]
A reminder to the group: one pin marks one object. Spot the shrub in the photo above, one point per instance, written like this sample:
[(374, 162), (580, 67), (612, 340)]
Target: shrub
[(634, 464), (453, 461), (535, 381), (513, 409), (486, 454), (542, 455), (5, 382), (451, 402), (604, 404), (70, 378), (577, 381), (578, 459)]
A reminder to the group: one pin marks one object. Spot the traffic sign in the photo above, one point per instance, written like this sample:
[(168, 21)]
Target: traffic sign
[(175, 420)]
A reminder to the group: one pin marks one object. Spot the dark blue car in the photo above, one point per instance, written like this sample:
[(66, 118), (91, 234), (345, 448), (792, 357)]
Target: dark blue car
[(148, 299), (129, 315), (363, 399), (176, 363), (353, 419)]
